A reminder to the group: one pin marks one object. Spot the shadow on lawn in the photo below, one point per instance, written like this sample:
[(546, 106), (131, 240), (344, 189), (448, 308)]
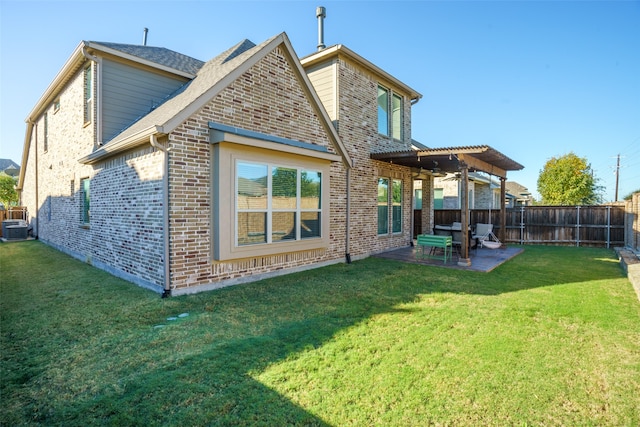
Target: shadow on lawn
[(201, 370)]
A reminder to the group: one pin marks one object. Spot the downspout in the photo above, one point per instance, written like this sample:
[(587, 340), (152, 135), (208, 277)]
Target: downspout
[(153, 140), (98, 96), (348, 223), (35, 129)]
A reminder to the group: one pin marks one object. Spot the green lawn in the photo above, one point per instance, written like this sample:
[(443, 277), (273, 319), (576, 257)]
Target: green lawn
[(552, 337)]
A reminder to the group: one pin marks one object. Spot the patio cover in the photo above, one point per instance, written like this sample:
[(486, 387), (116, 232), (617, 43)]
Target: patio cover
[(448, 159), (480, 158)]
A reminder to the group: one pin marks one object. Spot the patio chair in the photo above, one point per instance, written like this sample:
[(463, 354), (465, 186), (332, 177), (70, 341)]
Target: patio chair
[(456, 241), (482, 233)]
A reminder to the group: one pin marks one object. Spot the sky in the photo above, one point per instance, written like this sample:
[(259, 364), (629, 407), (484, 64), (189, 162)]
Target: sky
[(531, 79)]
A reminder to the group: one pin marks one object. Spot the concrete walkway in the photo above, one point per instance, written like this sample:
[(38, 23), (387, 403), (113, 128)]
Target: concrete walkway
[(482, 259)]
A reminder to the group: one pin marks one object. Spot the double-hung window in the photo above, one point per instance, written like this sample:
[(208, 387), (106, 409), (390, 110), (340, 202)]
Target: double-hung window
[(389, 205), (390, 113), (276, 203), (88, 94)]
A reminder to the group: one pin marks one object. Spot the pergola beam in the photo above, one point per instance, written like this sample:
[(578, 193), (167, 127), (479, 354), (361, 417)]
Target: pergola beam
[(475, 163)]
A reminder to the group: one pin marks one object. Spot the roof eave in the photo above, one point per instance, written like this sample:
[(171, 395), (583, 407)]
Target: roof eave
[(340, 49), (115, 147)]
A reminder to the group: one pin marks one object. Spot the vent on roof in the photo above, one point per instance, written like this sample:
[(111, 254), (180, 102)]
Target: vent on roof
[(144, 36), (321, 13)]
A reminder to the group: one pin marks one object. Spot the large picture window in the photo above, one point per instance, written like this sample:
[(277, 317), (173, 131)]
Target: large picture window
[(276, 203), (389, 205)]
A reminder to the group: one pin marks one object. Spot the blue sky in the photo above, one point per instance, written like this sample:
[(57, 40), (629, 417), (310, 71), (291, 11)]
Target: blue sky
[(531, 79)]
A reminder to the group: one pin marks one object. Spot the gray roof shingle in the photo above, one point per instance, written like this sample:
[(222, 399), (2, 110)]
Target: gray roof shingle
[(158, 55)]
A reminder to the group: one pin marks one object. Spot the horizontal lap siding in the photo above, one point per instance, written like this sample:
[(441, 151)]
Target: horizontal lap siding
[(129, 93)]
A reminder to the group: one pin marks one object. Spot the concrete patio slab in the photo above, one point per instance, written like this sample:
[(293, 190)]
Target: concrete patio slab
[(482, 259)]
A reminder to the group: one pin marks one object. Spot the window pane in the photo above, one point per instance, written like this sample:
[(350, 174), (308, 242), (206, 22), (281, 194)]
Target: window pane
[(396, 200), (309, 224), (397, 118), (383, 205), (438, 198), (86, 212), (252, 228), (88, 94), (252, 186), (284, 184), (310, 190), (283, 226), (383, 111)]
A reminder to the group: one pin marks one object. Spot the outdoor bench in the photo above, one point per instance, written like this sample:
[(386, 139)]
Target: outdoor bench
[(434, 242)]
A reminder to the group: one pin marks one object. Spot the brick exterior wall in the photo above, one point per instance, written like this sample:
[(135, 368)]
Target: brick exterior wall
[(358, 128), (56, 216), (127, 216), (126, 234), (267, 99)]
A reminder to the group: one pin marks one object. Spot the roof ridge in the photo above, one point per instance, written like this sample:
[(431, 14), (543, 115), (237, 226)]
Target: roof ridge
[(156, 54)]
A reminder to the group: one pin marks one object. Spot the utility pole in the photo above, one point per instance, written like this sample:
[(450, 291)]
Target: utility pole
[(617, 176)]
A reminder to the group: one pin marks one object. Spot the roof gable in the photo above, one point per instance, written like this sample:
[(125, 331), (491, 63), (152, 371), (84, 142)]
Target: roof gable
[(212, 78)]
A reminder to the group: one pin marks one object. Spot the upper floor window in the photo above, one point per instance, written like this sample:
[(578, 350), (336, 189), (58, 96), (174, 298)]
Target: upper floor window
[(383, 111), (397, 127), (88, 93), (46, 132), (390, 113)]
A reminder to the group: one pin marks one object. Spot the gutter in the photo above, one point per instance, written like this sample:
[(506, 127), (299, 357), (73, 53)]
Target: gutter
[(153, 140)]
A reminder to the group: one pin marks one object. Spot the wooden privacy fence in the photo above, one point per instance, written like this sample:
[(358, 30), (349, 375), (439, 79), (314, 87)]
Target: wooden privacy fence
[(551, 225)]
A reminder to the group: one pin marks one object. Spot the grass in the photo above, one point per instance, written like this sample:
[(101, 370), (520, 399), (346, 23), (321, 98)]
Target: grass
[(552, 337)]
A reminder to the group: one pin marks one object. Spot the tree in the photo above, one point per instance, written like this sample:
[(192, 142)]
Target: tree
[(568, 180), (8, 194)]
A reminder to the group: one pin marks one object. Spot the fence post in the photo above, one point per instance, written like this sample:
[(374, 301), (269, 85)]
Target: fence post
[(578, 226), (521, 225), (608, 226)]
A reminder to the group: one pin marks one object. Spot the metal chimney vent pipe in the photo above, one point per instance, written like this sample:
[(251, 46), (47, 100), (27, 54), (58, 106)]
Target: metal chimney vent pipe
[(321, 13), (144, 37)]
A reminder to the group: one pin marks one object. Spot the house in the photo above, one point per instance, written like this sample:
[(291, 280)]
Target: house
[(182, 176), (483, 192), (9, 167)]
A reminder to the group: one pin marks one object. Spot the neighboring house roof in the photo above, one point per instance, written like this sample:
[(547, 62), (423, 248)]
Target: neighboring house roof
[(8, 164), (418, 145), (339, 49), (519, 190), (213, 77)]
